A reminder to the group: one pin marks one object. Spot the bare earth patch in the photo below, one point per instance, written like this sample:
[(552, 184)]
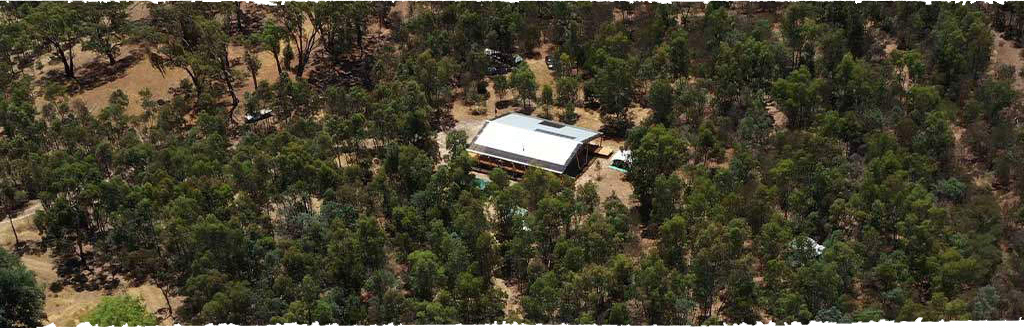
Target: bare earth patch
[(143, 76), (1006, 52), (609, 182), (137, 11)]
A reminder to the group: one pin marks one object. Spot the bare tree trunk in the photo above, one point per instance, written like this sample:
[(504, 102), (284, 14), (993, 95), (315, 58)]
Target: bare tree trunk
[(277, 62), (170, 309), (300, 67), (228, 79), (195, 82), (231, 90), (359, 40), (81, 250), (304, 50), (238, 16), (69, 64), (15, 231), (234, 98)]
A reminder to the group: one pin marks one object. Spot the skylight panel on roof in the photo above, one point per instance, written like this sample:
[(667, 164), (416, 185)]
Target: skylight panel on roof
[(552, 124), (555, 134)]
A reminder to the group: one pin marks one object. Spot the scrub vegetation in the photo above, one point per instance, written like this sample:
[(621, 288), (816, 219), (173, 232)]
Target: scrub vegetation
[(790, 161)]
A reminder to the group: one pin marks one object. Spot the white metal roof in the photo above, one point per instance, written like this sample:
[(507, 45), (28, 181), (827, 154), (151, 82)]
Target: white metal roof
[(531, 141), (531, 123)]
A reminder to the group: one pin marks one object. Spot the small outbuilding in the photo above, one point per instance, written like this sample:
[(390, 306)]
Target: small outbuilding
[(516, 141)]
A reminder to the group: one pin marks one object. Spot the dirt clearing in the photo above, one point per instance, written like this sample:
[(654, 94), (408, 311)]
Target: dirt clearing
[(608, 181), (1006, 52), (540, 68)]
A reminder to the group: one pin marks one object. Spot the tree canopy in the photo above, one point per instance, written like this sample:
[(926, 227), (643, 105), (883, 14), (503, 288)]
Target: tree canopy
[(22, 304)]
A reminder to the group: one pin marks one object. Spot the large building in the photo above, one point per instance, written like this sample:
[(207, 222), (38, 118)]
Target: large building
[(515, 141)]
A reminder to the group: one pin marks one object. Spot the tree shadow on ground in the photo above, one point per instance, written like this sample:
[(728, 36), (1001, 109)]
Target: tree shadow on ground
[(76, 273), (528, 109), (29, 247), (351, 69), (502, 104), (252, 20), (531, 54), (348, 71), (95, 73)]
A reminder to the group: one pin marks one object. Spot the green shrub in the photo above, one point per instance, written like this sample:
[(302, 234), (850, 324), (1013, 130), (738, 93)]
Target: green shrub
[(950, 189), (119, 311)]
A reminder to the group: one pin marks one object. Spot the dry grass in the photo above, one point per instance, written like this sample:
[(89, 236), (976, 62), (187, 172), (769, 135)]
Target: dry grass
[(142, 75), (137, 78), (402, 8), (512, 306), (540, 68), (778, 117), (66, 307), (1006, 52)]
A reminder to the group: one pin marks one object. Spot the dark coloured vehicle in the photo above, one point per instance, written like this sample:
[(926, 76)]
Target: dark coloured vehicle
[(502, 63)]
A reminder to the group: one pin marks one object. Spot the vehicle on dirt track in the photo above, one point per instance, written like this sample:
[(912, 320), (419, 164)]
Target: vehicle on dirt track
[(256, 117)]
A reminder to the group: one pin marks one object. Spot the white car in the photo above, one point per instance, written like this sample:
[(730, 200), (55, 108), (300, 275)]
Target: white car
[(620, 160)]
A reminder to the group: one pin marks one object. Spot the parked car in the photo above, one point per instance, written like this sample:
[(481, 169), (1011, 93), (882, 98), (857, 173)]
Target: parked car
[(550, 61), (498, 69), (500, 59), (621, 160), (256, 117)]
